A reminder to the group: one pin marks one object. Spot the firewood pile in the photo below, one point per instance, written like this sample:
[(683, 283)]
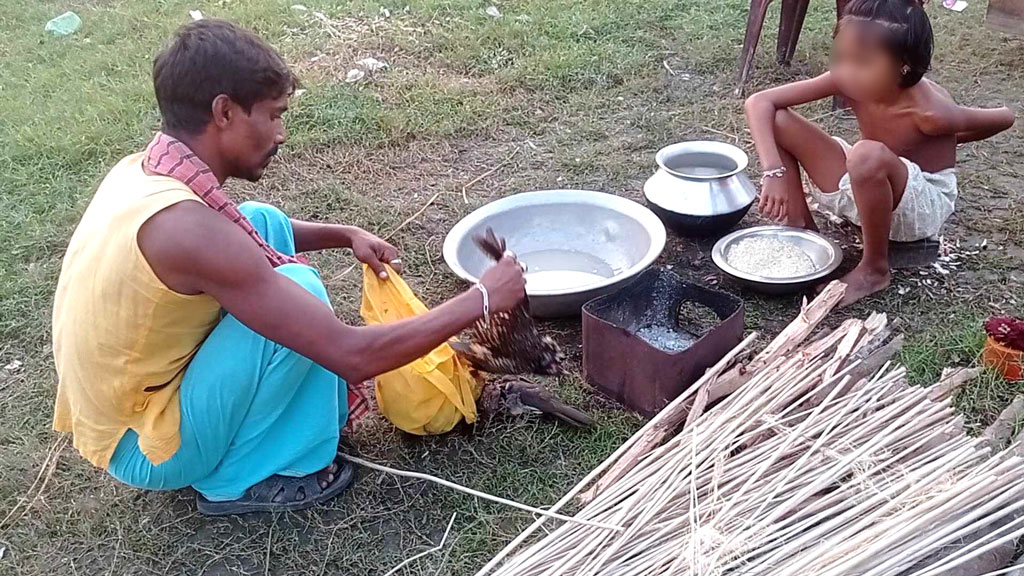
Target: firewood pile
[(815, 458)]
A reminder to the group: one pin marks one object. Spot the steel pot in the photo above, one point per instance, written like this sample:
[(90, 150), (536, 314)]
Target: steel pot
[(701, 188)]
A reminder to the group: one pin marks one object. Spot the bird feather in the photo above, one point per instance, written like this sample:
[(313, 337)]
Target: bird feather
[(509, 342)]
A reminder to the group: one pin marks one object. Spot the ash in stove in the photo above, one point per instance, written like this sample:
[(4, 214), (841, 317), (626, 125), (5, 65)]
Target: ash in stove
[(666, 338), (693, 320)]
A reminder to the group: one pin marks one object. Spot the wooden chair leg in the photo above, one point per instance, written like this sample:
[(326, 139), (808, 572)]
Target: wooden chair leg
[(790, 24), (755, 22)]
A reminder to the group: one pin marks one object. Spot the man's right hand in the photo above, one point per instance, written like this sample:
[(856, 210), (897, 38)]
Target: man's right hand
[(505, 284)]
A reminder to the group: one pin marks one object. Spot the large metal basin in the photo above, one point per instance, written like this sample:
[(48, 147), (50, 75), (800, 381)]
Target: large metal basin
[(577, 244)]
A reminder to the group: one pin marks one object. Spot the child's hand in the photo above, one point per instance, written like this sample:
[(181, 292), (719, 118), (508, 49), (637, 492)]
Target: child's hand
[(774, 199)]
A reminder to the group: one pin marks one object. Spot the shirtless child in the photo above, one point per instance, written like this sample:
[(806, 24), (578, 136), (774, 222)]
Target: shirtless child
[(898, 182)]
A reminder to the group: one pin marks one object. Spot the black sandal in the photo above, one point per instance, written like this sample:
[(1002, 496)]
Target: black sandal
[(284, 493)]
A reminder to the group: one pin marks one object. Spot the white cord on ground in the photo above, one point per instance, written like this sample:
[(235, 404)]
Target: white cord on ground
[(472, 492), (425, 552)]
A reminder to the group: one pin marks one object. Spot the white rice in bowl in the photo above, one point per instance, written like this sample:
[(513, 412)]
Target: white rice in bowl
[(770, 257)]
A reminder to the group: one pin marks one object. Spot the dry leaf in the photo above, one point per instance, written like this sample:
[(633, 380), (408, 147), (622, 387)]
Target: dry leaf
[(372, 64)]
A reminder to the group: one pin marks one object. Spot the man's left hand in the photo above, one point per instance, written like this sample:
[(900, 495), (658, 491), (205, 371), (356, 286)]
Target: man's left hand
[(375, 253)]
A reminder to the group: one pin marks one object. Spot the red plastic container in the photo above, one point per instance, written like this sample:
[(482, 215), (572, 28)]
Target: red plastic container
[(1003, 359)]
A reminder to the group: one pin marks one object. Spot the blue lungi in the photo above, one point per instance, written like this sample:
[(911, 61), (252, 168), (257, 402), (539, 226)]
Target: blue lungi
[(250, 408)]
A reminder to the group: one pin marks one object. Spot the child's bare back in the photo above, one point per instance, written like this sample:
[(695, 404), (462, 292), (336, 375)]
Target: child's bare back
[(898, 182)]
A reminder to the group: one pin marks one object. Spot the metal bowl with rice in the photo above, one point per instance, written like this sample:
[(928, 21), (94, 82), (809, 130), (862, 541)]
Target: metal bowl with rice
[(770, 259)]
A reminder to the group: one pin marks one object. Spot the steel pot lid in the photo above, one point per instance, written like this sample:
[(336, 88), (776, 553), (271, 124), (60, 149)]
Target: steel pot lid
[(825, 253)]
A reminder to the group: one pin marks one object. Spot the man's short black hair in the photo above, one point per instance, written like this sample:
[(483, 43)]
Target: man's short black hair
[(904, 28), (212, 57)]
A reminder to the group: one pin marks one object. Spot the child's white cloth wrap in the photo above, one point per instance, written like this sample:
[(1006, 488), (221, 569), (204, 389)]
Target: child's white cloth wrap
[(926, 204)]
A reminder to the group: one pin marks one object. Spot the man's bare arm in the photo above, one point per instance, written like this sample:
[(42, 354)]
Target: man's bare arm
[(312, 236), (177, 244), (369, 249)]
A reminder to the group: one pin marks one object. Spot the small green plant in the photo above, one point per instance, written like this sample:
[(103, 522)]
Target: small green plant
[(1006, 330)]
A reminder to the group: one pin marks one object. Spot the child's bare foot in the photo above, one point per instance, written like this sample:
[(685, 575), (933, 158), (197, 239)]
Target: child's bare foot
[(863, 281), (806, 224)]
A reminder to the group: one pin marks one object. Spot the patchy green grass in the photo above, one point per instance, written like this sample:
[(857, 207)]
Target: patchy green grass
[(959, 342), (585, 90)]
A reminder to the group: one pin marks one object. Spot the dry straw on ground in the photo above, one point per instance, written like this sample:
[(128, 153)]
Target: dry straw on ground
[(813, 466)]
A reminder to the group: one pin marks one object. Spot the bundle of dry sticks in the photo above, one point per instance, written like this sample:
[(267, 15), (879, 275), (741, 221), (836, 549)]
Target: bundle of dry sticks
[(819, 459)]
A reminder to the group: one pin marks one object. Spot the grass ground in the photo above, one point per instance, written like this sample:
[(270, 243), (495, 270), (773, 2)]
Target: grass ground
[(585, 90)]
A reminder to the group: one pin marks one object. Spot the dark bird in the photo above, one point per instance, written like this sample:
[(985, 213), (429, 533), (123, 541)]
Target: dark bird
[(517, 396), (509, 342)]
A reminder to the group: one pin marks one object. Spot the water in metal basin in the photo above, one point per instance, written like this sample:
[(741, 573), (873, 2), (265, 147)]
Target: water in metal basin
[(561, 269)]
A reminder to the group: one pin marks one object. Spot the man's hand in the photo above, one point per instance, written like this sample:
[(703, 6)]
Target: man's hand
[(505, 284), (774, 200), (369, 249), (374, 252)]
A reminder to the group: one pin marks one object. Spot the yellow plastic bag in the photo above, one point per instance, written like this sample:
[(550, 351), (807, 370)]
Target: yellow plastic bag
[(430, 395)]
